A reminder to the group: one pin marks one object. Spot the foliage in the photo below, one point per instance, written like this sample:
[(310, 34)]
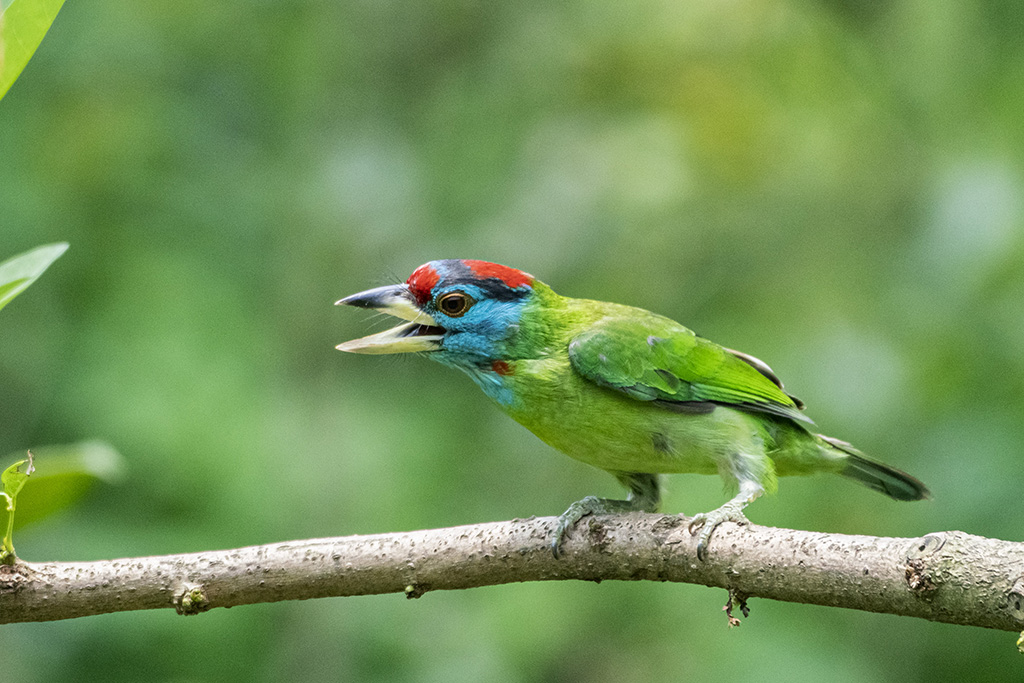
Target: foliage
[(23, 23), (13, 479), (18, 272), (833, 187), (70, 469), (64, 474)]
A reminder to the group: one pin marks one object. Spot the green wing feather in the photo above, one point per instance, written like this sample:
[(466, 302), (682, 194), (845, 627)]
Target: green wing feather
[(656, 359)]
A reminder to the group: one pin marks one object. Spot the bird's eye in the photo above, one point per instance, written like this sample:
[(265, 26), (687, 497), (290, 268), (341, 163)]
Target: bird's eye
[(454, 304)]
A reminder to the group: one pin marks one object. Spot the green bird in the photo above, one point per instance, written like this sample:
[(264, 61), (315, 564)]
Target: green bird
[(620, 388)]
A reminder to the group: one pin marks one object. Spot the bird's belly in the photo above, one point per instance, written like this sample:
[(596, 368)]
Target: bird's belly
[(621, 434)]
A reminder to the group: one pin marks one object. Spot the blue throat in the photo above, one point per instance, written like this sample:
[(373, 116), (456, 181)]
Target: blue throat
[(475, 341), (494, 385)]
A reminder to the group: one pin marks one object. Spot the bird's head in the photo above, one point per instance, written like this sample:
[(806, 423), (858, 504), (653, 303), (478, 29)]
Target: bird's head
[(464, 313)]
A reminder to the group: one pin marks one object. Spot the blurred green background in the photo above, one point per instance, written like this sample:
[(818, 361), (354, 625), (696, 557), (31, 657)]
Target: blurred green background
[(836, 187)]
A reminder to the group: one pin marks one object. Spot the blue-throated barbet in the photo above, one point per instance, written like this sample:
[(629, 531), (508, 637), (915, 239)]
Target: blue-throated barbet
[(617, 387)]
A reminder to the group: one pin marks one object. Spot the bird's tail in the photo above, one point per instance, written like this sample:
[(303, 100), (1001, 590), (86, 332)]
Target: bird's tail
[(875, 475)]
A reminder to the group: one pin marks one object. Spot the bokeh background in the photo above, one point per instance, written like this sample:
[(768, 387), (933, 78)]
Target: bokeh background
[(833, 186)]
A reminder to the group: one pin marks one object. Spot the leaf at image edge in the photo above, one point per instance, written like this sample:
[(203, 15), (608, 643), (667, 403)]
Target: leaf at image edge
[(13, 480), (23, 25), (64, 474), (18, 272)]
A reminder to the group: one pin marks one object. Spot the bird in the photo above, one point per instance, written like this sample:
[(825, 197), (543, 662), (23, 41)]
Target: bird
[(620, 388)]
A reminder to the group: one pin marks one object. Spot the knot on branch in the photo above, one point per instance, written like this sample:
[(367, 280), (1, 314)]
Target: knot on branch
[(191, 600), (919, 579), (415, 590), (14, 576), (1016, 596)]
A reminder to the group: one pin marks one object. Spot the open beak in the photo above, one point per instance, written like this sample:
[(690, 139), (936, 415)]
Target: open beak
[(419, 334)]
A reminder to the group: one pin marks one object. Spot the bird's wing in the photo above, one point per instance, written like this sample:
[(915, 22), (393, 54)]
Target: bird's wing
[(655, 359)]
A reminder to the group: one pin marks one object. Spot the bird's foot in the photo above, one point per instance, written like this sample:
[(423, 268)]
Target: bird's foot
[(568, 519), (643, 495), (703, 524)]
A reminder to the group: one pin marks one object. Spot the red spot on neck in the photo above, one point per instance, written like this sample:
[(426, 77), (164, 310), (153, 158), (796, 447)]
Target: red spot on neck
[(422, 281), (502, 368), (510, 276)]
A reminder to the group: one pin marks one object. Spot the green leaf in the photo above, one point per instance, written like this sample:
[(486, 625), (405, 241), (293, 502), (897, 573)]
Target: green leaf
[(23, 24), (20, 271), (11, 286), (64, 474), (12, 480)]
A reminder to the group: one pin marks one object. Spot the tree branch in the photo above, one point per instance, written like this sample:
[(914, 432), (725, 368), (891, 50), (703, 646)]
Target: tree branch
[(948, 576)]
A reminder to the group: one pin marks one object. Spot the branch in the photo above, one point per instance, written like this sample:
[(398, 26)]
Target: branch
[(948, 576)]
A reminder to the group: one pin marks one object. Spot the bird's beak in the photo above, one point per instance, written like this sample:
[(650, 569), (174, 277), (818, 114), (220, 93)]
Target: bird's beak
[(419, 334)]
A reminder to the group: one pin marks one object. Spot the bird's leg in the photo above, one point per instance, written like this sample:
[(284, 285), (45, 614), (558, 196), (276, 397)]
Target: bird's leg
[(644, 494), (732, 511)]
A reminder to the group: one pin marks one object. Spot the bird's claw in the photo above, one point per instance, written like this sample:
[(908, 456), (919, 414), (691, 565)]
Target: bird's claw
[(559, 536), (556, 546), (568, 519), (565, 522), (703, 524), (643, 496)]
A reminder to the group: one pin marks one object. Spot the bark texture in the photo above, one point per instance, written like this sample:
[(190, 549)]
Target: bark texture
[(946, 576)]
